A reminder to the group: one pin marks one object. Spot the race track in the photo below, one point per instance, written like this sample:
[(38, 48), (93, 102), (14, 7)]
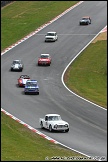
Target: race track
[(88, 122)]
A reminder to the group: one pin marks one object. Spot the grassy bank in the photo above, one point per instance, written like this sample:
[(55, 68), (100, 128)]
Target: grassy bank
[(18, 143), (87, 75), (22, 17)]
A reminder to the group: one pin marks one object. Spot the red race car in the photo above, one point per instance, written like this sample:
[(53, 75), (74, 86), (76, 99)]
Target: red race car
[(44, 59), (22, 80)]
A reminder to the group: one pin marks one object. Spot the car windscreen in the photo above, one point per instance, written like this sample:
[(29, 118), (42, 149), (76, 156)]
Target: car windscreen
[(54, 118), (24, 77), (84, 18), (31, 84), (44, 56), (16, 62), (50, 34)]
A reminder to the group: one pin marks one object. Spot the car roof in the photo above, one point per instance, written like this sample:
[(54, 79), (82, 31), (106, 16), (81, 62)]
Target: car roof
[(86, 17), (16, 60), (51, 32), (45, 54), (52, 115)]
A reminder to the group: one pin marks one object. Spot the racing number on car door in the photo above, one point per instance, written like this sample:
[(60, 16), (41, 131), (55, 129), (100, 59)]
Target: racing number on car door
[(46, 124), (46, 121)]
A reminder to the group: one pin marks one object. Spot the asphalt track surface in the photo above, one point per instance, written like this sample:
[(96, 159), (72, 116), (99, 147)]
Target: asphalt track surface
[(88, 122)]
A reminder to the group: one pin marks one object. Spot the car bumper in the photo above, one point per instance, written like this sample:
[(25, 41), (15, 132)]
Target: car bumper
[(16, 69), (31, 92), (60, 128), (49, 40), (83, 23), (44, 63)]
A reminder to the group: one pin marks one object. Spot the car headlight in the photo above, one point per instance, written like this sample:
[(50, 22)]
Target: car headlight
[(66, 125)]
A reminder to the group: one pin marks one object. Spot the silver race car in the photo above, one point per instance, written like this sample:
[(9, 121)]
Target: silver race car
[(17, 65)]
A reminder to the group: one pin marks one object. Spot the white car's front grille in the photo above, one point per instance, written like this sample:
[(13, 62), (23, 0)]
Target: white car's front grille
[(61, 126)]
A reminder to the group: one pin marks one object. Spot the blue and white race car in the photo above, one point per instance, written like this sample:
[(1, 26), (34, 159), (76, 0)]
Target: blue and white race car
[(31, 87)]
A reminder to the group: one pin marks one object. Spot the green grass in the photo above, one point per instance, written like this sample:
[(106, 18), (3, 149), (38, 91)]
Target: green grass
[(18, 143), (87, 75), (19, 19), (22, 17)]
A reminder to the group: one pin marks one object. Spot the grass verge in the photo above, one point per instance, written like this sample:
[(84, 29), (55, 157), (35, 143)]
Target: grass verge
[(87, 75), (18, 143), (22, 17)]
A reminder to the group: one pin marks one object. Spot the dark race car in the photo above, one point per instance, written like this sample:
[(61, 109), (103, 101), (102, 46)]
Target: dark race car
[(85, 20)]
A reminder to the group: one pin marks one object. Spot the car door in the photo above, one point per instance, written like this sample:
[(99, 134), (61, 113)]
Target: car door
[(46, 122)]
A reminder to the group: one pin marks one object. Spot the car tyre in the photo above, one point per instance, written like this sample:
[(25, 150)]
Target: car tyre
[(67, 130), (50, 128)]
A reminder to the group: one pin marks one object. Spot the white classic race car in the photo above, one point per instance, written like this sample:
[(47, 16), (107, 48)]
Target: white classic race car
[(54, 122), (51, 37)]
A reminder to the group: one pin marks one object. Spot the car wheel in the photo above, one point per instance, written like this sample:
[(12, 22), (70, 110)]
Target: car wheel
[(25, 93), (41, 124), (67, 130), (50, 128)]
